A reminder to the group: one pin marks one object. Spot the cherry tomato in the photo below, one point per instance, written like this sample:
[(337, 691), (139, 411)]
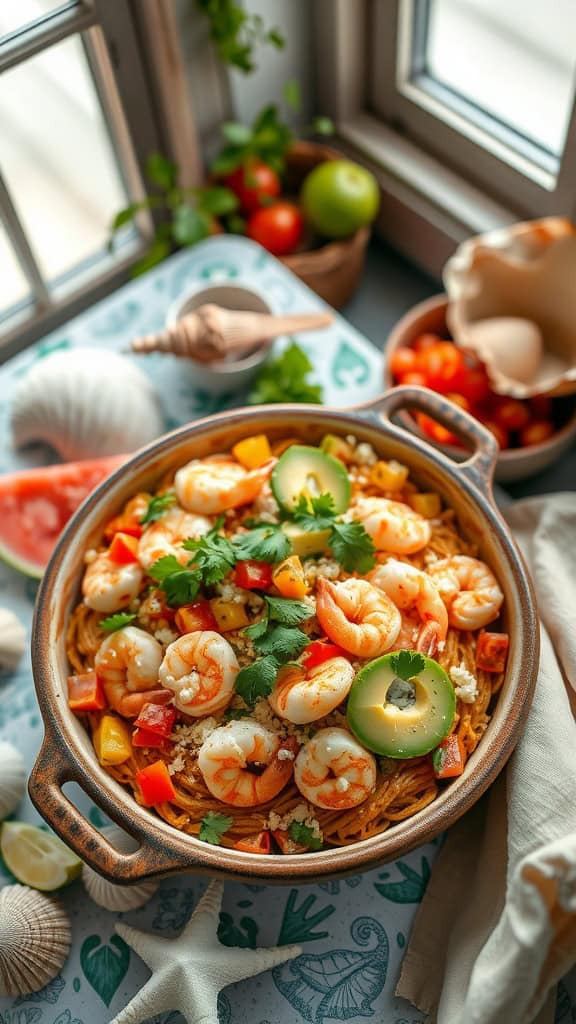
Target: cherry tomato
[(402, 361), (278, 227), (511, 414), (253, 184), (425, 341), (473, 380), (460, 401), (499, 432), (536, 432), (435, 431), (541, 406), (442, 366), (414, 377)]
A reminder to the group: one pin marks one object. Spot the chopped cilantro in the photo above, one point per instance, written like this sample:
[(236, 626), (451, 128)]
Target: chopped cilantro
[(117, 621), (157, 507), (265, 542), (284, 642), (304, 836), (257, 629), (315, 513), (213, 827), (407, 664), (233, 714), (256, 680), (352, 547), (283, 378), (213, 555), (179, 584), (287, 610)]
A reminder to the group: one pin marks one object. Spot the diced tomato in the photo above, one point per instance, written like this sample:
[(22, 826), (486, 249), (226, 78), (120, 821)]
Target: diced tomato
[(156, 718), (511, 414), (492, 651), (155, 784), (192, 617), (449, 758), (259, 843), (536, 432), (85, 693), (425, 341), (403, 360), (253, 575), (499, 432), (286, 844), (123, 549), (435, 430), (442, 365), (319, 651), (415, 378), (145, 738)]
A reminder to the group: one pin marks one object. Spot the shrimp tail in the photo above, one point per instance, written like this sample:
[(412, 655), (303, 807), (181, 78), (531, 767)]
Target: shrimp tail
[(428, 639), (130, 704), (279, 771)]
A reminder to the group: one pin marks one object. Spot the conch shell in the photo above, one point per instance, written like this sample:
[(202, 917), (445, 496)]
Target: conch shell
[(212, 332), (512, 298)]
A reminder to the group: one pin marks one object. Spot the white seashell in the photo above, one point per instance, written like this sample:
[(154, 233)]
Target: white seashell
[(86, 403), (12, 640), (117, 897), (34, 940), (12, 779)]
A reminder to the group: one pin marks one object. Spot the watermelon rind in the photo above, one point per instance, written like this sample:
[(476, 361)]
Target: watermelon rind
[(23, 565)]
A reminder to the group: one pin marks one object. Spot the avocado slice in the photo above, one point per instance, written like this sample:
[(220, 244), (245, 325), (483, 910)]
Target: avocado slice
[(306, 542), (397, 717), (309, 471)]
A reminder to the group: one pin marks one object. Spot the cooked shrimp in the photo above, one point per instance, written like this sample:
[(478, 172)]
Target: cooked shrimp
[(200, 668), (357, 616), (303, 696), (127, 662), (108, 586), (332, 770), (225, 756), (414, 590), (165, 536), (393, 526), (213, 487), (469, 589)]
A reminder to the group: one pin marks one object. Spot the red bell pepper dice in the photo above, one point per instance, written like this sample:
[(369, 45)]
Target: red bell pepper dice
[(123, 549), (156, 718), (145, 738), (253, 575), (318, 651), (85, 693), (259, 843), (491, 651), (123, 524), (155, 784), (193, 617), (449, 758)]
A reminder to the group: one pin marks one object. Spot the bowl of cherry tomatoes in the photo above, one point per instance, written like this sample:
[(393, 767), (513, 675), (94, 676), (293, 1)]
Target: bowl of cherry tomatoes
[(532, 434)]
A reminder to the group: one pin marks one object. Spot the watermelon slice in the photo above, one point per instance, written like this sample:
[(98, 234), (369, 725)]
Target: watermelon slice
[(36, 504)]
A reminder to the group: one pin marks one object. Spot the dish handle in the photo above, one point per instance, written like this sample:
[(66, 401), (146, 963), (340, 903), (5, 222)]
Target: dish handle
[(152, 859), (479, 467)]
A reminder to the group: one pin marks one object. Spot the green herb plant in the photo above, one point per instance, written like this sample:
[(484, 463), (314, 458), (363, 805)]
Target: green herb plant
[(284, 378), (350, 544), (117, 621), (236, 33), (213, 826)]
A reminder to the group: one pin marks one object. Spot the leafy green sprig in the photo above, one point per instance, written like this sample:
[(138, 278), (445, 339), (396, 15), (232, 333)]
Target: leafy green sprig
[(284, 378), (117, 621), (275, 636), (350, 544), (158, 506), (213, 826), (304, 836), (407, 664), (212, 554), (236, 33)]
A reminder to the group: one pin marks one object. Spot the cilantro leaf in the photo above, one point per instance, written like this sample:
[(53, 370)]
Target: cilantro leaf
[(283, 378), (256, 680), (213, 555), (164, 567), (283, 642), (257, 629), (157, 507), (315, 513), (180, 585), (213, 827), (352, 547), (117, 621), (407, 664), (264, 543), (304, 836), (234, 714), (288, 611)]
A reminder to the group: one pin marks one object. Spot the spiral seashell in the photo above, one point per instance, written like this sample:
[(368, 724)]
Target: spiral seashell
[(12, 779), (86, 403), (117, 897), (12, 640), (35, 939)]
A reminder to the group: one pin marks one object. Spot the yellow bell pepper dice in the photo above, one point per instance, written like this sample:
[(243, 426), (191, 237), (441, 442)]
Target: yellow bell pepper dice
[(427, 504), (289, 579), (389, 476), (338, 447), (112, 740), (229, 614), (253, 452)]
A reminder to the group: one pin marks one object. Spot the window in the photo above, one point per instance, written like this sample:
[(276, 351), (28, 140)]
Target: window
[(68, 160)]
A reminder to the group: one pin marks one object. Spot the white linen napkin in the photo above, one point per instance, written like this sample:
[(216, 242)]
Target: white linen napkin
[(496, 929)]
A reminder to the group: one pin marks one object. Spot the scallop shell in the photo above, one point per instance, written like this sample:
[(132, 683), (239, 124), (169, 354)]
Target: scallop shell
[(512, 298), (12, 640), (86, 403), (117, 897), (12, 779), (34, 940)]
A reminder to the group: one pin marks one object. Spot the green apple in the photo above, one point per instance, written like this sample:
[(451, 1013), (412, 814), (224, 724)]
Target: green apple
[(338, 197)]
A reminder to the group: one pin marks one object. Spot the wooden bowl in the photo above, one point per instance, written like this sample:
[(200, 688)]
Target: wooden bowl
[(333, 270), (67, 752), (513, 463)]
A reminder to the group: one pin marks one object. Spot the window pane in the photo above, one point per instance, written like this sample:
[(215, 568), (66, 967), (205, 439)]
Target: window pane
[(57, 157), (514, 60), (20, 14), (15, 288)]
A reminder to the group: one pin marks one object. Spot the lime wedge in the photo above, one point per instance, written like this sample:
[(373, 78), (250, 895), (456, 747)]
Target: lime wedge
[(37, 858)]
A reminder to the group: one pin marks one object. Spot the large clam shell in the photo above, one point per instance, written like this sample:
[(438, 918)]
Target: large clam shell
[(117, 897), (12, 779), (34, 940), (501, 286), (12, 640)]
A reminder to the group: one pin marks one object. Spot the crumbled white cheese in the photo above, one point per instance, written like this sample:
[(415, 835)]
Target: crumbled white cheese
[(328, 568), (302, 813), (342, 784), (352, 441), (185, 736), (465, 684), (90, 556), (178, 764), (231, 593), (285, 755), (165, 636), (365, 455), (266, 506)]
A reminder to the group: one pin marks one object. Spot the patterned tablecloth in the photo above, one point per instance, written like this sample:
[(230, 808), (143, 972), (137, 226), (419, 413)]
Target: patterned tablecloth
[(353, 932)]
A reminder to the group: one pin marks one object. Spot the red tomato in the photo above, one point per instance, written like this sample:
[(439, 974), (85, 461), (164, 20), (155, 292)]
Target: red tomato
[(278, 228), (536, 432), (473, 380), (415, 378), (435, 431), (85, 693), (460, 401), (449, 758), (442, 365), (491, 651), (500, 434), (425, 341), (541, 406), (193, 617), (402, 361), (511, 414), (254, 184), (253, 575), (319, 651)]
